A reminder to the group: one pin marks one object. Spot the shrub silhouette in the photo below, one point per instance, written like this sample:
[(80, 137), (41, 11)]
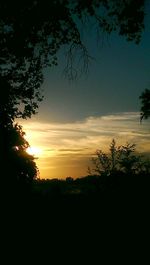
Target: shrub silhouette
[(121, 159)]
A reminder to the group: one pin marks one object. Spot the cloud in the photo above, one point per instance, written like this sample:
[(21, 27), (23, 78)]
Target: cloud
[(74, 142), (128, 116), (71, 150)]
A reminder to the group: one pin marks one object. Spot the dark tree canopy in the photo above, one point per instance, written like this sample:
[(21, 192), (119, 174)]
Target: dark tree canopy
[(145, 104), (33, 31), (20, 166)]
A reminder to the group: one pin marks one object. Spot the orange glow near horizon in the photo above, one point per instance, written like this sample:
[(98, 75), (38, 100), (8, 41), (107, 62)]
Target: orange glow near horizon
[(64, 150)]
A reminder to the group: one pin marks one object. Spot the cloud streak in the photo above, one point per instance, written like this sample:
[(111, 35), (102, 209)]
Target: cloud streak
[(65, 147)]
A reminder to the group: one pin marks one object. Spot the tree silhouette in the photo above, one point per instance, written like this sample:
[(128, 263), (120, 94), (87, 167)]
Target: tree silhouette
[(120, 159), (145, 104), (128, 161), (20, 166)]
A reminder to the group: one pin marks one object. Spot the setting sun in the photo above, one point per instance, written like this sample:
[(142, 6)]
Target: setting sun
[(36, 151)]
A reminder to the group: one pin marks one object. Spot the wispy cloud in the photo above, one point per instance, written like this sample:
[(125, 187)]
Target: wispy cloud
[(66, 147)]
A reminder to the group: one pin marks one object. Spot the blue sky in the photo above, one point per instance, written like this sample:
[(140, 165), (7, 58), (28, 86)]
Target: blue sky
[(116, 77)]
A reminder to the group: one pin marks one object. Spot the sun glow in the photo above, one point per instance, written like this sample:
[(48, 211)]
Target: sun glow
[(35, 151), (65, 149)]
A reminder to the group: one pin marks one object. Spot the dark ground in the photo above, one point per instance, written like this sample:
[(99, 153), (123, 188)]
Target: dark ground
[(85, 217)]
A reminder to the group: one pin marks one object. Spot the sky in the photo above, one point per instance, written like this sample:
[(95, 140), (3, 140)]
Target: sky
[(78, 117)]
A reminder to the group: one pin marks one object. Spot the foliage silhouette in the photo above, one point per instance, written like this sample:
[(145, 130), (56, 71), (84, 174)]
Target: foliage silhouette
[(145, 104), (20, 168), (121, 159)]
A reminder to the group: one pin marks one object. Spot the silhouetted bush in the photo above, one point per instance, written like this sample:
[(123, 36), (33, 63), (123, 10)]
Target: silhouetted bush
[(120, 160)]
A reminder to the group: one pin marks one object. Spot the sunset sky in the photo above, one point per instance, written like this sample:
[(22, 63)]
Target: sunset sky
[(77, 118)]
